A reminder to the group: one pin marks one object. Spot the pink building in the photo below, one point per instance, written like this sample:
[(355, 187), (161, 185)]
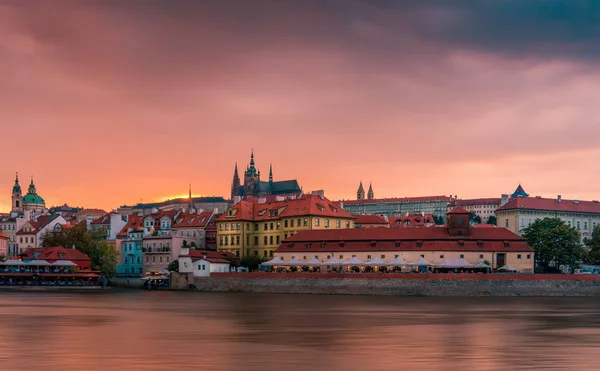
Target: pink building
[(3, 244)]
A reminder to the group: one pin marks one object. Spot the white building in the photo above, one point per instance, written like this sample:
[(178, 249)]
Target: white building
[(202, 263)]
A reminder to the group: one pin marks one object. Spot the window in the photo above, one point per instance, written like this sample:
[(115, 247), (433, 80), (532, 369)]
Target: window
[(423, 256), (368, 256), (237, 240), (337, 223), (161, 259), (305, 222), (506, 223), (585, 225), (153, 259), (255, 240), (382, 256), (277, 240), (395, 256), (462, 256), (265, 253), (264, 226), (226, 227), (481, 256), (271, 253), (256, 226), (247, 240), (341, 257), (519, 256), (347, 224), (578, 225), (270, 240), (255, 252), (441, 256), (221, 241), (326, 223), (528, 256), (271, 226), (285, 224), (316, 222), (292, 222)]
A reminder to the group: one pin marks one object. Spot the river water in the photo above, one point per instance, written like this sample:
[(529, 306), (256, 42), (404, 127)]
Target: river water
[(133, 330)]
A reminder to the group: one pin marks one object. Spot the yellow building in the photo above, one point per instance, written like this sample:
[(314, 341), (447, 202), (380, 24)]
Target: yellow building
[(252, 228), (436, 245)]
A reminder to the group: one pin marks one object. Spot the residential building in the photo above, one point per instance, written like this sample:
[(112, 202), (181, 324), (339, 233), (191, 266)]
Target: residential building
[(253, 186), (252, 227), (160, 222), (457, 240), (53, 254), (201, 263), (210, 233), (10, 225), (111, 223), (191, 227), (32, 233), (130, 250), (3, 244), (482, 207), (159, 251), (435, 205), (521, 211)]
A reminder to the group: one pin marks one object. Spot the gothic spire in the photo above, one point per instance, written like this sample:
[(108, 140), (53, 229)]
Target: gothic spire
[(252, 159), (360, 194), (370, 194), (271, 173)]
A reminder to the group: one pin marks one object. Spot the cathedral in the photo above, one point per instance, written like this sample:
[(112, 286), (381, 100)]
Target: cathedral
[(254, 187), (360, 194), (31, 202)]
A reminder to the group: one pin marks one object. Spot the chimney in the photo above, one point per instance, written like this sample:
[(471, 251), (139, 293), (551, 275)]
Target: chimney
[(559, 198), (73, 247)]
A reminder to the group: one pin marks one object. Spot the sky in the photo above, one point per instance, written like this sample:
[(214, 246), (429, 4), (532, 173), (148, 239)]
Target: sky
[(108, 102)]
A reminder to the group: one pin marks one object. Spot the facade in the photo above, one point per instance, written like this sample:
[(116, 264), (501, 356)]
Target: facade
[(435, 205), (214, 203), (3, 245), (483, 207), (253, 186), (202, 263), (191, 227), (521, 211), (10, 225), (253, 228), (32, 233), (159, 251), (130, 247), (457, 240), (111, 224), (211, 233)]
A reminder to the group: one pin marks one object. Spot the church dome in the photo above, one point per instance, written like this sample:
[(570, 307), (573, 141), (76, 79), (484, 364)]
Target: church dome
[(33, 199)]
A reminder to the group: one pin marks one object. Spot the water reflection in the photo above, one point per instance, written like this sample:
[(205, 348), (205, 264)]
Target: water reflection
[(134, 330)]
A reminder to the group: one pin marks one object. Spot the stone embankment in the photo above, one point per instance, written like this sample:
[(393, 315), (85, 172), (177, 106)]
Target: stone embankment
[(394, 284)]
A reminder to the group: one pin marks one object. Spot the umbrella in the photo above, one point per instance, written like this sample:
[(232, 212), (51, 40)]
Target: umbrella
[(420, 262), (375, 262), (455, 263), (13, 262), (38, 263), (353, 261), (332, 261), (482, 266), (397, 262), (274, 261), (63, 263), (507, 268), (294, 261), (313, 261)]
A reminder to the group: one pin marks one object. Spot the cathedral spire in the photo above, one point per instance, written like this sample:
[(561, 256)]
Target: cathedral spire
[(271, 173), (370, 194), (252, 159), (236, 184), (17, 186), (191, 202), (360, 194)]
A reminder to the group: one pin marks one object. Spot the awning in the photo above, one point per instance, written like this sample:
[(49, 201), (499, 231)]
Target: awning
[(482, 266), (455, 263), (353, 261), (397, 262), (13, 262), (37, 262), (507, 268), (375, 262), (332, 262), (294, 261), (63, 263), (273, 262), (421, 262)]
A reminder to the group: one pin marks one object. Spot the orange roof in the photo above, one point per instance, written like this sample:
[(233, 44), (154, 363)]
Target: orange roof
[(423, 239), (398, 199), (133, 221), (55, 253), (551, 204), (369, 219), (305, 205), (185, 220)]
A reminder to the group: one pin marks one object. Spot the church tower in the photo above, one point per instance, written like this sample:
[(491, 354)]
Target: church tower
[(251, 179), (235, 185), (17, 196), (360, 194), (370, 194)]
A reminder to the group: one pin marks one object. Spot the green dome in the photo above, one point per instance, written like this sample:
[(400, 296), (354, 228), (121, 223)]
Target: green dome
[(33, 199)]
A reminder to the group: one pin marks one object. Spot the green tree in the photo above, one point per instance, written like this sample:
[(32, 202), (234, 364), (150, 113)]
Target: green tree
[(2, 258), (252, 261), (554, 243), (474, 218), (592, 255), (103, 256), (173, 266), (492, 220), (438, 219)]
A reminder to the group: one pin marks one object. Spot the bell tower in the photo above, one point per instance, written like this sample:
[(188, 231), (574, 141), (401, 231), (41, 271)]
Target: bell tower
[(17, 196), (458, 222)]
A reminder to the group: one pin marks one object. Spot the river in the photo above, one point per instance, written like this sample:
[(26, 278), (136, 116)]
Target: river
[(129, 330)]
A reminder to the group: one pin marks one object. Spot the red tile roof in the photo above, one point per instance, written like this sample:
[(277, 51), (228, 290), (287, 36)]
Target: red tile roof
[(306, 205), (134, 221), (213, 255), (185, 220), (458, 210), (398, 199), (35, 228), (3, 236), (551, 204), (104, 219), (412, 220), (382, 239), (370, 219), (55, 253), (157, 216), (478, 201)]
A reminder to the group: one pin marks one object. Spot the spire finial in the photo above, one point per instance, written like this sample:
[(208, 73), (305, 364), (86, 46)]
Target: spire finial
[(270, 172), (190, 191)]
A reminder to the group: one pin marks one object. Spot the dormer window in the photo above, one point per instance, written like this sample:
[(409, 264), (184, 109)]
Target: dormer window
[(419, 243), (373, 243), (308, 246), (342, 244), (322, 244), (506, 244), (461, 243), (397, 243), (479, 243)]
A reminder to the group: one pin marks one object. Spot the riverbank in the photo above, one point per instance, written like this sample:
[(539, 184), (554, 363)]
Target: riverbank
[(393, 284)]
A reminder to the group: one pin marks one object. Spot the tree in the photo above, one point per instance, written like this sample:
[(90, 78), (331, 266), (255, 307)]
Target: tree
[(438, 219), (555, 244), (102, 255), (173, 266), (592, 255), (2, 258), (492, 220), (474, 218), (252, 261)]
